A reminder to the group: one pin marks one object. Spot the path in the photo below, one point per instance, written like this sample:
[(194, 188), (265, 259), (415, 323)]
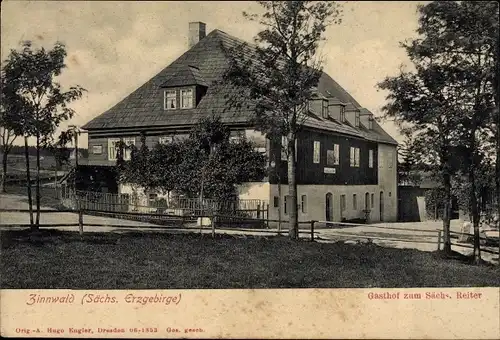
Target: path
[(415, 235)]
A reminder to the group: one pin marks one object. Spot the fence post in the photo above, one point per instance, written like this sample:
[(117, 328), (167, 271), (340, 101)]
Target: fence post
[(213, 225), (439, 240), (312, 230), (80, 221)]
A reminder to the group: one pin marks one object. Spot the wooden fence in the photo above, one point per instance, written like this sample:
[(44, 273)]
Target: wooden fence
[(88, 200), (221, 223)]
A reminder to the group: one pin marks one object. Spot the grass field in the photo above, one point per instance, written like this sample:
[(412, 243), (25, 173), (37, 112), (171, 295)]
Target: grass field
[(57, 259)]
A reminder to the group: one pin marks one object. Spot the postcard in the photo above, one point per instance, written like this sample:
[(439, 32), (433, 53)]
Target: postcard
[(271, 169)]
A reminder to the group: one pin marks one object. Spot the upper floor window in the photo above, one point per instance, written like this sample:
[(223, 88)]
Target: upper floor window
[(370, 158), (354, 157), (316, 152), (332, 156), (357, 119), (389, 159), (166, 139), (325, 109), (127, 154), (236, 136), (381, 159), (186, 99), (113, 148), (342, 113), (170, 100)]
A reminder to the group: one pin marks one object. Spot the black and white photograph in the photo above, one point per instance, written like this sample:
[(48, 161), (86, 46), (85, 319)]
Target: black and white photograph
[(158, 148)]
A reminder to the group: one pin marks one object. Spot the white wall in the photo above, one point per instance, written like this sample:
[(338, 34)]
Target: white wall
[(316, 201), (387, 180)]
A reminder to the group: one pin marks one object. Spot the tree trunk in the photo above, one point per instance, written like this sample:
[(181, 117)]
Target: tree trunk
[(446, 214), (475, 216), (4, 171), (37, 221), (292, 191), (28, 181)]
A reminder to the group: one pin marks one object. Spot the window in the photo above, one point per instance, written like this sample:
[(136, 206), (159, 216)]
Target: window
[(342, 113), (342, 203), (372, 200), (152, 199), (97, 149), (112, 148), (303, 204), (354, 202), (357, 119), (166, 139), (170, 100), (316, 152), (236, 136), (332, 156), (370, 158), (381, 159), (354, 157), (128, 152), (370, 123), (285, 205), (389, 160), (325, 109), (276, 201), (186, 99)]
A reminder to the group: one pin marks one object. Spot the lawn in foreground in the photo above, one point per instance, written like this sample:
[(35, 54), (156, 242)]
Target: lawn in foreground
[(160, 261)]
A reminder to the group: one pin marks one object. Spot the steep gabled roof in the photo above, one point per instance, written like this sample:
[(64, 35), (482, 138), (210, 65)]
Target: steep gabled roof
[(205, 64)]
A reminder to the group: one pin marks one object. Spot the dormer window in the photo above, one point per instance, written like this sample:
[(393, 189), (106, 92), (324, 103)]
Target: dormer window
[(186, 99), (342, 113), (357, 119), (170, 100), (370, 123), (325, 109)]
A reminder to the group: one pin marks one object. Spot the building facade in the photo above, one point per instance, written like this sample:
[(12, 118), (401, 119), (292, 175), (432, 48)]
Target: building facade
[(346, 163)]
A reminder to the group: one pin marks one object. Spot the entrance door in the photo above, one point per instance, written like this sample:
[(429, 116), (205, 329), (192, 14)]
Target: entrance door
[(381, 206), (329, 207)]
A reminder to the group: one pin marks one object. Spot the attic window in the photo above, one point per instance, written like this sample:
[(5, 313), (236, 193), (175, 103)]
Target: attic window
[(187, 99), (357, 119), (370, 123), (325, 109), (170, 100), (342, 113)]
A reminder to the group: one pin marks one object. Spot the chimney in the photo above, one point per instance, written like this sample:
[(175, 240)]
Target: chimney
[(196, 33)]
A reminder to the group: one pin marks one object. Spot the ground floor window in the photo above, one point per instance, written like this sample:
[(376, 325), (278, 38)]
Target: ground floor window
[(276, 201), (354, 201), (303, 204), (342, 203), (372, 201)]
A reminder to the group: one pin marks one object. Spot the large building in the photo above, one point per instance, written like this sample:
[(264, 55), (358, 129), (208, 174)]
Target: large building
[(346, 163)]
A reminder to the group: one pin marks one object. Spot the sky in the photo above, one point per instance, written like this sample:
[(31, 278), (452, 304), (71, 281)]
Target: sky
[(114, 47)]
